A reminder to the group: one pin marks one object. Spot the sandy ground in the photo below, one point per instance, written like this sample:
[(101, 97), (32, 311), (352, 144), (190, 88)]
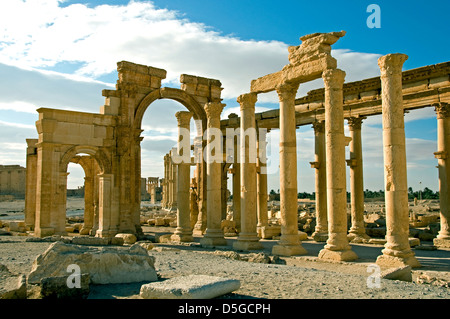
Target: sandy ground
[(302, 277)]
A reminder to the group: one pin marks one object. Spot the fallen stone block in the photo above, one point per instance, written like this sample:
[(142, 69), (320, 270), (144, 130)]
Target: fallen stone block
[(190, 287), (413, 242), (105, 265), (89, 240), (128, 239), (400, 273), (60, 288), (11, 285)]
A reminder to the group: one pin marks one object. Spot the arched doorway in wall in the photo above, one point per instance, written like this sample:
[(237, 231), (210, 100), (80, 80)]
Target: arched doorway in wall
[(98, 211), (83, 195), (159, 133)]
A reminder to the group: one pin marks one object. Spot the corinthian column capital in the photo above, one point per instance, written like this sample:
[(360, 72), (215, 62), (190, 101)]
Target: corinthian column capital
[(354, 123), (442, 110), (391, 63), (287, 91), (183, 118), (213, 110), (247, 100), (333, 78)]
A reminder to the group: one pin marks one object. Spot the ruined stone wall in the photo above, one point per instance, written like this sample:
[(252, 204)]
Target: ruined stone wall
[(12, 180)]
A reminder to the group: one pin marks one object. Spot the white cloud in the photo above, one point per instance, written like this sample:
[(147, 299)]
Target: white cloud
[(39, 35)]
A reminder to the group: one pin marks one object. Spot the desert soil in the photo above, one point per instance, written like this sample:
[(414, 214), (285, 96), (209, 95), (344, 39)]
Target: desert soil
[(303, 277)]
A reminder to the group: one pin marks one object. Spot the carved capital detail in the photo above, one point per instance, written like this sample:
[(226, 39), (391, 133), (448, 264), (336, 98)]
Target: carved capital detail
[(442, 110), (319, 126), (183, 118), (213, 110), (354, 123), (247, 100), (391, 64), (287, 91), (333, 78)]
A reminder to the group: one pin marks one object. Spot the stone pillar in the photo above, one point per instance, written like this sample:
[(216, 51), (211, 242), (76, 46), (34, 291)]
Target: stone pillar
[(443, 140), (106, 182), (321, 231), (337, 247), (164, 184), (397, 251), (237, 185), (261, 184), (248, 237), (183, 233), (357, 231), (213, 234), (30, 190), (289, 243)]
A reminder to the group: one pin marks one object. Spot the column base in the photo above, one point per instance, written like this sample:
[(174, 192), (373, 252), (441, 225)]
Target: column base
[(44, 232), (212, 238), (106, 233), (181, 238), (337, 255), (288, 250), (247, 242), (268, 232), (442, 242), (85, 231), (394, 262), (358, 237), (319, 237)]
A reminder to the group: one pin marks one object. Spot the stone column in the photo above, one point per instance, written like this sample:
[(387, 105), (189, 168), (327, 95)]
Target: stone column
[(106, 181), (261, 185), (237, 185), (164, 184), (357, 231), (289, 243), (248, 237), (183, 233), (337, 247), (443, 140), (397, 251), (321, 231), (213, 234), (30, 190)]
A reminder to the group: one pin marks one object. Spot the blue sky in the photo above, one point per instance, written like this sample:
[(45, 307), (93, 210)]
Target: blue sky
[(61, 54)]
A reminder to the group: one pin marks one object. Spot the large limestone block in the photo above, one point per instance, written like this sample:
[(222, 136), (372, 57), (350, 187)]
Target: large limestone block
[(128, 239), (11, 285), (189, 287), (105, 265)]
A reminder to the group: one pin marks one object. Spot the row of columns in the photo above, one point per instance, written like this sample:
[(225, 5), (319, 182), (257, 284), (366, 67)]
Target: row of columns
[(331, 200)]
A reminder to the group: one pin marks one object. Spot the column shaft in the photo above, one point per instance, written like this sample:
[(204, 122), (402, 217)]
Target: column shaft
[(357, 231), (248, 238), (289, 243), (397, 251), (213, 234), (337, 247), (183, 233), (321, 231), (443, 140)]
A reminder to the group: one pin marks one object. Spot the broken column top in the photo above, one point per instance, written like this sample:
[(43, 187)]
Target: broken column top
[(306, 62)]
